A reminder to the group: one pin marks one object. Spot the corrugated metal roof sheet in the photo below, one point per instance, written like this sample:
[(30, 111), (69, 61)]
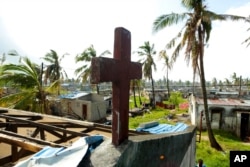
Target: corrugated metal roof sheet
[(225, 101), (71, 156), (163, 128), (74, 95)]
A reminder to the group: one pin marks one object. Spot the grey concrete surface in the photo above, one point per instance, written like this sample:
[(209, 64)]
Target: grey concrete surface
[(164, 150)]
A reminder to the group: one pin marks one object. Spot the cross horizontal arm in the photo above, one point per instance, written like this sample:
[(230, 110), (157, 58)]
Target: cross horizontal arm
[(107, 69)]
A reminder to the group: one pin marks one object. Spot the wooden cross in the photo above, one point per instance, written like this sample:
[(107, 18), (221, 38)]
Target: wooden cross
[(119, 71)]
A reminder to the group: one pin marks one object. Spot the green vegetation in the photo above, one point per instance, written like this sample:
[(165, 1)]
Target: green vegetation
[(132, 103), (157, 114), (176, 98), (212, 157)]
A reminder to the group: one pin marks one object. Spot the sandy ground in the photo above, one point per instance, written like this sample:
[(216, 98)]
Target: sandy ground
[(5, 149)]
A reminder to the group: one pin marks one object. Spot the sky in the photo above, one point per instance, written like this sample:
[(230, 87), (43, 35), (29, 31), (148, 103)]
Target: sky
[(33, 27)]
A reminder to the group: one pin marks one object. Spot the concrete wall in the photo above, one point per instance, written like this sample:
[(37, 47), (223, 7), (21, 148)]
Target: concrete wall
[(98, 111), (227, 117), (95, 110), (165, 150)]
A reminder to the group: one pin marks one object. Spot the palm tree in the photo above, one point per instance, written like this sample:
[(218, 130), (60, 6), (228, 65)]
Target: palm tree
[(220, 85), (163, 55), (139, 85), (54, 71), (193, 36), (235, 79), (228, 82), (214, 82), (86, 56), (147, 51), (133, 85), (247, 41), (31, 95)]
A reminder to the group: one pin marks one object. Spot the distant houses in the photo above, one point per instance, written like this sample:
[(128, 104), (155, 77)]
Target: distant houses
[(227, 110)]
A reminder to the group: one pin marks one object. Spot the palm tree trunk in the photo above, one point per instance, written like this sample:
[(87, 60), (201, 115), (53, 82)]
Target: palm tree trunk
[(134, 95), (153, 91), (168, 84), (211, 137), (139, 91)]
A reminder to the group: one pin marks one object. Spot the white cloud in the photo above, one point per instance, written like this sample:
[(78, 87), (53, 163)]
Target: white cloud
[(226, 54), (72, 25)]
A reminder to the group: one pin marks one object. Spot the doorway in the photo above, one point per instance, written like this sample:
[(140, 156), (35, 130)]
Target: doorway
[(84, 111), (244, 126), (216, 117)]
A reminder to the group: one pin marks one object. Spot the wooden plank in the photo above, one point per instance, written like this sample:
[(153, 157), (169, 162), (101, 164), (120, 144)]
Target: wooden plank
[(29, 117), (26, 139), (14, 141), (45, 127), (5, 160)]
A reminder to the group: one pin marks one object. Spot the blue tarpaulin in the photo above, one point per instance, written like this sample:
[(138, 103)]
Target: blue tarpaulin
[(58, 157), (157, 128)]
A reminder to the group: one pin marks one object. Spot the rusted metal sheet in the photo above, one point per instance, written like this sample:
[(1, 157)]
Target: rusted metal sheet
[(224, 101)]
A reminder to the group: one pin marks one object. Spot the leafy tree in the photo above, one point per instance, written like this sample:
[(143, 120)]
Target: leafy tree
[(175, 98), (193, 37), (31, 95), (54, 71), (187, 83), (147, 51), (163, 55), (86, 56)]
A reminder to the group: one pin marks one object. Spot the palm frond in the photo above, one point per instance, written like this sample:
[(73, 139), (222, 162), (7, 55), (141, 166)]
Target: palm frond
[(80, 69), (175, 54), (24, 75), (27, 101), (191, 4), (207, 26), (163, 55), (233, 17), (247, 41), (86, 74), (168, 20), (54, 87), (18, 100)]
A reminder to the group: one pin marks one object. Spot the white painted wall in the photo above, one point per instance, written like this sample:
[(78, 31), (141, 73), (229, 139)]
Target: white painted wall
[(96, 107)]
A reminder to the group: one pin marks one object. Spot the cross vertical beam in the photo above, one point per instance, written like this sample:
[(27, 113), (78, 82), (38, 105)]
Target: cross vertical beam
[(119, 71), (120, 88)]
